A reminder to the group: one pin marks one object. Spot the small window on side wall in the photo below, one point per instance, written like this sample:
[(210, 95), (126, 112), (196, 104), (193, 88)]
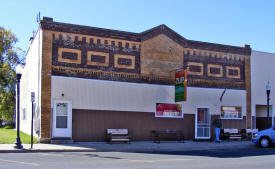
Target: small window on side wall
[(24, 114), (231, 112)]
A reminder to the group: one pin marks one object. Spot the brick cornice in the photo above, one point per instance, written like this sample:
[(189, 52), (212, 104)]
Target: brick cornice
[(219, 47), (48, 24), (87, 30)]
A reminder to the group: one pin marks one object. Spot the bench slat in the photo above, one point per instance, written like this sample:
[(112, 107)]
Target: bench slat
[(120, 139), (125, 136), (117, 131), (118, 135)]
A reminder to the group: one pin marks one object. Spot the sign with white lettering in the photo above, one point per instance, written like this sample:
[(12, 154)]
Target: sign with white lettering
[(169, 110)]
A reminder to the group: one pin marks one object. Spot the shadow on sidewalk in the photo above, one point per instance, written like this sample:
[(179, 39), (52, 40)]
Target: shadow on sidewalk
[(228, 150), (221, 153), (247, 150)]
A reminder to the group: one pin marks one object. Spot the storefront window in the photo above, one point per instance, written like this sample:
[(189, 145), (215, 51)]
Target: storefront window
[(231, 112)]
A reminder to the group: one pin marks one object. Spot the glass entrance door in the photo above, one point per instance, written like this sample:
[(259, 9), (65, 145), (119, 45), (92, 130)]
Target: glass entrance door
[(62, 119), (202, 123)]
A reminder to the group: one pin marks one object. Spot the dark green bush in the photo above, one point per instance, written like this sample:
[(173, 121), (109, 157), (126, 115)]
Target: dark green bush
[(8, 127)]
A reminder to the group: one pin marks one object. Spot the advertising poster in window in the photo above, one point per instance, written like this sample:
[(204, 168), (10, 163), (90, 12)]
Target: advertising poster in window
[(231, 112), (180, 85), (169, 110)]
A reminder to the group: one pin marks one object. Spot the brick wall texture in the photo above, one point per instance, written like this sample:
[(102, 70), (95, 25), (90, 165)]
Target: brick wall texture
[(46, 85)]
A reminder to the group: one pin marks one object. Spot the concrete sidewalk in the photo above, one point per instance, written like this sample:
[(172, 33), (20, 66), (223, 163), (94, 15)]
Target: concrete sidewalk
[(132, 147)]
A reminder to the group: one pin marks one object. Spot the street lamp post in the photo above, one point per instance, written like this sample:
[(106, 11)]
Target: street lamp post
[(18, 70), (268, 89)]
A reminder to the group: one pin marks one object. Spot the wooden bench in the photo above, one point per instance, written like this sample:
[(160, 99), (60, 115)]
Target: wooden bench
[(118, 135), (232, 134), (158, 135)]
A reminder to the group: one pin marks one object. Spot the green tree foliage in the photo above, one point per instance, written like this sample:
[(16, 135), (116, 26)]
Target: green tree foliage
[(8, 61)]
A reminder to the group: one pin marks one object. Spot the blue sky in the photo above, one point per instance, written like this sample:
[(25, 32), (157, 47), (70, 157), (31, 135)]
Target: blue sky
[(231, 22)]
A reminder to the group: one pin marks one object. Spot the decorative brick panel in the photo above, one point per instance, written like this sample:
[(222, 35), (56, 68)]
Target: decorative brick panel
[(217, 70), (214, 70), (233, 72), (204, 83), (69, 55), (66, 55), (112, 76), (124, 61), (98, 58), (195, 68)]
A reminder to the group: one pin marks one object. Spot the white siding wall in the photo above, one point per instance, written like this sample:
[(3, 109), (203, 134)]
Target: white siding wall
[(205, 97), (30, 83), (262, 70), (122, 96)]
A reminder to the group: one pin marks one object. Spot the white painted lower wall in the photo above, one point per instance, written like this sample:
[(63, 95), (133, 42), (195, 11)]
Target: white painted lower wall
[(207, 97), (123, 96)]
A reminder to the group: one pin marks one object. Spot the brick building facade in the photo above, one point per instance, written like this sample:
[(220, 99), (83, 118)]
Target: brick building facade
[(78, 62)]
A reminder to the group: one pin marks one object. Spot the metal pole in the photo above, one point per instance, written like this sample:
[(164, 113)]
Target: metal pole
[(32, 128), (268, 93), (18, 141)]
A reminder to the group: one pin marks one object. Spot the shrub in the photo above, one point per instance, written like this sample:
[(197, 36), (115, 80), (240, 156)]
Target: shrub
[(8, 127)]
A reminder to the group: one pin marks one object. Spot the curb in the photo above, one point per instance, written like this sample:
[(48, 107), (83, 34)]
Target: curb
[(49, 150), (134, 150)]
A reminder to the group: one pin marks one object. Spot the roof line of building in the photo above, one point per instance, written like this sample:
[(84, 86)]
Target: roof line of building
[(48, 24)]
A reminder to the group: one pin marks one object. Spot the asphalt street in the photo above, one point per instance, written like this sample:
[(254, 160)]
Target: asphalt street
[(252, 158)]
